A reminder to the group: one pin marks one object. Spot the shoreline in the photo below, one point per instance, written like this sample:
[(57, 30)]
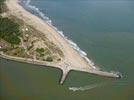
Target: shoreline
[(72, 59), (46, 20), (65, 71)]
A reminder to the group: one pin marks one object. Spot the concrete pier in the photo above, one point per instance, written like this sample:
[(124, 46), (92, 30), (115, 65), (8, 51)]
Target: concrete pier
[(65, 67), (92, 71), (71, 60), (64, 76), (104, 74)]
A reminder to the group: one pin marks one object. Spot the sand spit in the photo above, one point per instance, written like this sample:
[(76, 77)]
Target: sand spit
[(72, 59)]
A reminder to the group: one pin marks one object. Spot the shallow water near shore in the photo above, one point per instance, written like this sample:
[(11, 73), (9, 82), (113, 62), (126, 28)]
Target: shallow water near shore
[(104, 29)]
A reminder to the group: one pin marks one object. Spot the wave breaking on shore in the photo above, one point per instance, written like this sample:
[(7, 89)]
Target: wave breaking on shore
[(36, 11)]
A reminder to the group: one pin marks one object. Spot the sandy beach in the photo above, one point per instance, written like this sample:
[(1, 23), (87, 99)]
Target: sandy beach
[(71, 56), (72, 59)]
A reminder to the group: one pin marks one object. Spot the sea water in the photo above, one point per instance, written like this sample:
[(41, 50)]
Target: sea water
[(102, 29)]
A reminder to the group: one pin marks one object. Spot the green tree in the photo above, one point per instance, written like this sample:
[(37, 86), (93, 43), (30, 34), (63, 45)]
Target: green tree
[(9, 31), (1, 5)]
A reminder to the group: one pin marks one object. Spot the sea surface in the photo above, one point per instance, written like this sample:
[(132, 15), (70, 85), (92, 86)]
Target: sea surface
[(104, 29)]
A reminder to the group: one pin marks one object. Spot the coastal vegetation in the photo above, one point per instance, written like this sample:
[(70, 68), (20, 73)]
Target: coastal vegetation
[(17, 39), (44, 54), (40, 50), (9, 31), (20, 40), (49, 59), (1, 5)]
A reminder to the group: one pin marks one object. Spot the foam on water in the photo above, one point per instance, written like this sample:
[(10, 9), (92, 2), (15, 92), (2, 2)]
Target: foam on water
[(92, 86), (87, 87), (33, 9)]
